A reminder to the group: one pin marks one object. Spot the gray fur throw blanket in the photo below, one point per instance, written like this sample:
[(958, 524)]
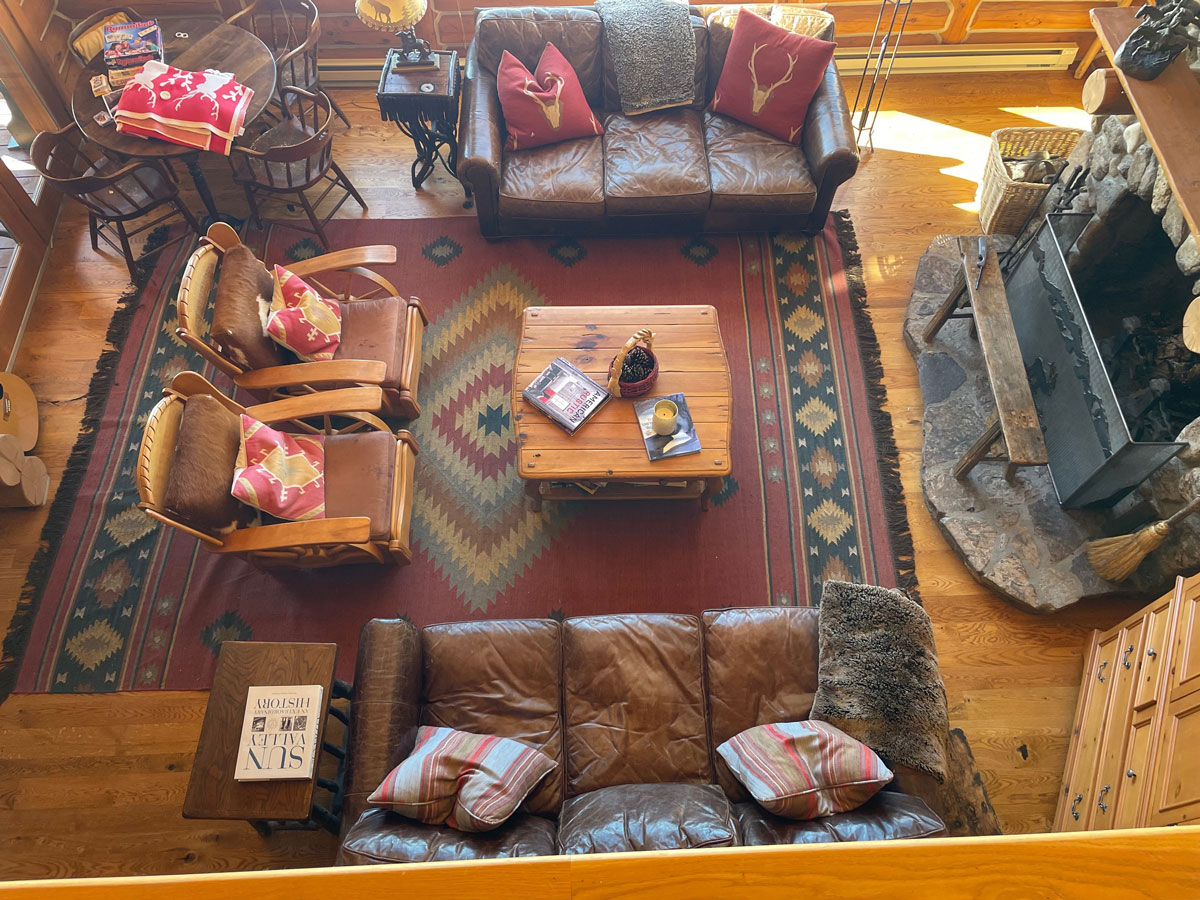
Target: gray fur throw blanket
[(653, 52), (877, 675)]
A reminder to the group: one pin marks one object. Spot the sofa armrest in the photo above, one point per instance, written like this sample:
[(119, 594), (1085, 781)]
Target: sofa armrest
[(385, 711), (480, 143), (828, 140)]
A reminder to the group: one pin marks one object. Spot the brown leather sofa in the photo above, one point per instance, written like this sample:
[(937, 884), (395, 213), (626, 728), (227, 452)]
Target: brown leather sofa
[(632, 708), (682, 169)]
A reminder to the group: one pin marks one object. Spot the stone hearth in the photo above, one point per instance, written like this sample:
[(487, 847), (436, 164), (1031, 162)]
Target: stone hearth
[(1014, 536)]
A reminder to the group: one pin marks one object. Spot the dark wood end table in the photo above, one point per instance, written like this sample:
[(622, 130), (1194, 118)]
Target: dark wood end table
[(424, 105), (212, 792)]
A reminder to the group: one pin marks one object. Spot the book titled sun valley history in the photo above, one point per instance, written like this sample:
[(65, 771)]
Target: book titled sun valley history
[(279, 733)]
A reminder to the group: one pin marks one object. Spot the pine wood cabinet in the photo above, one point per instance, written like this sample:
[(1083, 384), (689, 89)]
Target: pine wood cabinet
[(1133, 758)]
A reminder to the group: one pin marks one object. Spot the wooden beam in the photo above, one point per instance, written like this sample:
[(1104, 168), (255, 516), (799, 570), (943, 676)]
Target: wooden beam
[(1168, 108), (1148, 862), (1104, 95)]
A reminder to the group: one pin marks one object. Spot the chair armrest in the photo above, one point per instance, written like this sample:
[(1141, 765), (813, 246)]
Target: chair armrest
[(325, 403), (373, 255), (356, 530), (324, 371), (385, 711), (828, 140), (481, 142)]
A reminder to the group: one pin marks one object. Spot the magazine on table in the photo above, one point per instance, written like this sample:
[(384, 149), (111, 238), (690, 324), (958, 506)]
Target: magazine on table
[(279, 733), (565, 395), (681, 442)]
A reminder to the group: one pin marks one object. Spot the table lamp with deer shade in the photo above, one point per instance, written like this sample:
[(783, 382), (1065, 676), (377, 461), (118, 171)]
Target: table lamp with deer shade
[(399, 16)]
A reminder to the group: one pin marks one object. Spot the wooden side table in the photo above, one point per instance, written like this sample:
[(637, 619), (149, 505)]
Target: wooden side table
[(424, 105), (609, 447), (212, 792)]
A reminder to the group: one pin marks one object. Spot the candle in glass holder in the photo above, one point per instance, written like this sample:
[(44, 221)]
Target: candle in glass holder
[(666, 414)]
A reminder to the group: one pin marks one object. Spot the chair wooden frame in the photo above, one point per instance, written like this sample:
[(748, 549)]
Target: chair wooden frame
[(311, 544), (295, 168), (274, 22), (100, 181), (195, 288)]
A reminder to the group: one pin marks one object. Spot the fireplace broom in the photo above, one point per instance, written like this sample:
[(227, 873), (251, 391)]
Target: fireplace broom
[(1115, 558)]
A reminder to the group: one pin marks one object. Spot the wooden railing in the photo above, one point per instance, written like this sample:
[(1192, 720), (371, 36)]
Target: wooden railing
[(1151, 862)]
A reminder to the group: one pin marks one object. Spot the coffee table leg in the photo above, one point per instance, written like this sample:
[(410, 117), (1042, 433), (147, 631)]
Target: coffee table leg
[(533, 489), (192, 161)]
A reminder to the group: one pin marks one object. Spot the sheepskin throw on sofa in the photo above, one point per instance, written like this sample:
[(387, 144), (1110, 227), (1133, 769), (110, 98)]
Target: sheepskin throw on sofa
[(653, 52), (878, 679)]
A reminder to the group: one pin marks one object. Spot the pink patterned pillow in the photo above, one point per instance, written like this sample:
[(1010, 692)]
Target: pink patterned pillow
[(281, 474), (472, 782), (804, 770), (302, 320)]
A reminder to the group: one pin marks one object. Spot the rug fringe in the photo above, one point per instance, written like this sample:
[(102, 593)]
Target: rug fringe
[(21, 627), (895, 511)]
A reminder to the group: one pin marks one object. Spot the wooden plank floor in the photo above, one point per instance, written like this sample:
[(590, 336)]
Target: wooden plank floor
[(92, 785)]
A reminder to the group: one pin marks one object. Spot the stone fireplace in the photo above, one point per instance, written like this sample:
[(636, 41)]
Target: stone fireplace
[(1135, 267)]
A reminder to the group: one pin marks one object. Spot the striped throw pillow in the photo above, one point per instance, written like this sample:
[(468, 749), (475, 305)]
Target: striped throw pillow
[(472, 782), (804, 770)]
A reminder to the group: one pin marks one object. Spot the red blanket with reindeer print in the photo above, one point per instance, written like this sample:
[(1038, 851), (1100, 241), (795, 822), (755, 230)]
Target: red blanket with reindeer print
[(205, 110)]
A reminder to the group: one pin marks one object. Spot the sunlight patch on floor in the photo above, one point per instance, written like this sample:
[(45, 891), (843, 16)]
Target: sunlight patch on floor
[(1061, 116), (903, 133)]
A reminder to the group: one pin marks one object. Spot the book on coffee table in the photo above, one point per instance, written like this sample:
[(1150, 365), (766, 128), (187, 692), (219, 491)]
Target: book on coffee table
[(565, 395), (681, 442), (279, 732)]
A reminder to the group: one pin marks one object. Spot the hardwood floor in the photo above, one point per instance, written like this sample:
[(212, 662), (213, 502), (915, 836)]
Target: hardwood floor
[(92, 784)]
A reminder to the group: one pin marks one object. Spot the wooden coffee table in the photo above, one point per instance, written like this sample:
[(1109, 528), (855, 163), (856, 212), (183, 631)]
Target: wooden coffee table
[(212, 792), (609, 447)]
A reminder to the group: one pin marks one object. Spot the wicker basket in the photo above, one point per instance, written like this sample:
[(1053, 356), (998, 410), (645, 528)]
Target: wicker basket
[(1004, 204)]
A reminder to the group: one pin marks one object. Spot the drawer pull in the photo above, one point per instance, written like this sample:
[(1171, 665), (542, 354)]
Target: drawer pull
[(1100, 671), (1078, 799), (1129, 773), (1100, 800), (1125, 658), (1152, 653)]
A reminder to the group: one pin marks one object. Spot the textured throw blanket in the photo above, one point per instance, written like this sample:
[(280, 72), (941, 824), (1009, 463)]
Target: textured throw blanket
[(205, 110), (878, 679), (653, 52)]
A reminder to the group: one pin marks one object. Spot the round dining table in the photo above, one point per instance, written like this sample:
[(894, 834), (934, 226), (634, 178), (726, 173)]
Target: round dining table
[(195, 43)]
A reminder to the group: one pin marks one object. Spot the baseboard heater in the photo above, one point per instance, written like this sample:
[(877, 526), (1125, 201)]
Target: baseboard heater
[(913, 60)]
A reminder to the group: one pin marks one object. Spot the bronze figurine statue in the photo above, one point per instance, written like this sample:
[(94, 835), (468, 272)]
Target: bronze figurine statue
[(1162, 35)]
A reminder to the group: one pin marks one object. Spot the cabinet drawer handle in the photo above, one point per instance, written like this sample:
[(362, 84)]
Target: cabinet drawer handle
[(1125, 657), (1078, 799), (1100, 799), (1100, 671), (1152, 653), (1129, 773)]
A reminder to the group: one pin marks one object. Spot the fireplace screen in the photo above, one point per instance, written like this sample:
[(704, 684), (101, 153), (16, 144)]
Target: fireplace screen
[(1093, 457)]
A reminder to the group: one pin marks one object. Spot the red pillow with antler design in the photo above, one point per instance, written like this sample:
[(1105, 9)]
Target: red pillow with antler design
[(546, 107), (770, 76)]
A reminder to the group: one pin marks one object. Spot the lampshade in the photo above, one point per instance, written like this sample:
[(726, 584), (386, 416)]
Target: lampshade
[(390, 15)]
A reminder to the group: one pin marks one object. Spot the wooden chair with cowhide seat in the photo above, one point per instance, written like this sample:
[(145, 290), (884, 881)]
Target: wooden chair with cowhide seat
[(189, 451), (381, 331)]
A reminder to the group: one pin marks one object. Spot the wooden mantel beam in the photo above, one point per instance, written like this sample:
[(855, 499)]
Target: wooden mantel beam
[(1168, 108)]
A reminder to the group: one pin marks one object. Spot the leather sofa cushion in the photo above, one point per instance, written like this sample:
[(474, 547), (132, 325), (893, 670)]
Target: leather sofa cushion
[(633, 701), (654, 163), (741, 696), (375, 329), (358, 478), (383, 837), (886, 816), (721, 19), (524, 31), (243, 298), (201, 473), (612, 94), (630, 817), (752, 171), (501, 678), (559, 181)]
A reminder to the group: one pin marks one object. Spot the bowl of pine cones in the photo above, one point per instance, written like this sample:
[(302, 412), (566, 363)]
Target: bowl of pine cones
[(634, 370)]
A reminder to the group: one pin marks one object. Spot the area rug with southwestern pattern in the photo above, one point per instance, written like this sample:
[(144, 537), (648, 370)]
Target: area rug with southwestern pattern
[(116, 602)]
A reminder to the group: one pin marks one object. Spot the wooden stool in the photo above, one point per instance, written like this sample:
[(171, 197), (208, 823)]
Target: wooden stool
[(1015, 419)]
